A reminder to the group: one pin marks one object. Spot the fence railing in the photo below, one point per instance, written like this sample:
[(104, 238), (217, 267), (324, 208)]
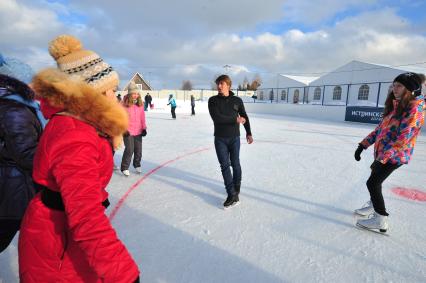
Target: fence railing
[(371, 94), (199, 94), (363, 94)]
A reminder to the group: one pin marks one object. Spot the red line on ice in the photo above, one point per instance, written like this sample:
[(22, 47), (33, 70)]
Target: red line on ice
[(135, 185), (117, 207), (412, 194)]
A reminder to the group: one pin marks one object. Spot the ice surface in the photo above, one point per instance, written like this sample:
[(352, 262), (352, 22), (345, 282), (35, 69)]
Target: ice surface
[(295, 222)]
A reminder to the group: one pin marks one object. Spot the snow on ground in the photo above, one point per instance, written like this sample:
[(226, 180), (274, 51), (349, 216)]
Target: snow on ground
[(295, 222)]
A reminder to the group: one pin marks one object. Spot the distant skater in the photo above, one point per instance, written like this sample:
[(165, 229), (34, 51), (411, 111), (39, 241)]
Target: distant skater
[(192, 105), (172, 103)]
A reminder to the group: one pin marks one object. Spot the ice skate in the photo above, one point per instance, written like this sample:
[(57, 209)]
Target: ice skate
[(376, 223), (365, 210), (231, 200)]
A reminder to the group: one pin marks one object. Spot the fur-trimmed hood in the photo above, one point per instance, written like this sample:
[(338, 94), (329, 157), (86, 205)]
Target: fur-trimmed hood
[(15, 86), (77, 98)]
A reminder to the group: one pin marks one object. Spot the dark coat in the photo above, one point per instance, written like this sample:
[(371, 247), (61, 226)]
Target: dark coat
[(148, 98), (224, 111), (20, 131)]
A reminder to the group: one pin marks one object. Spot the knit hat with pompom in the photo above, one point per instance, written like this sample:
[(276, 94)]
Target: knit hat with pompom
[(85, 65)]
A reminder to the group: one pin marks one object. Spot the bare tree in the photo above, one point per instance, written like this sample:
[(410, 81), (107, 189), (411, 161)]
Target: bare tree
[(186, 85), (245, 83), (256, 83)]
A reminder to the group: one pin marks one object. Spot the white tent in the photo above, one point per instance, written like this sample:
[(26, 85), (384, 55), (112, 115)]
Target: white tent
[(358, 83), (285, 88)]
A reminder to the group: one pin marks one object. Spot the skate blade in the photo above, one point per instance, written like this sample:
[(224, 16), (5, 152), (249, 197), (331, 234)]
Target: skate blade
[(361, 227), (360, 215), (234, 204)]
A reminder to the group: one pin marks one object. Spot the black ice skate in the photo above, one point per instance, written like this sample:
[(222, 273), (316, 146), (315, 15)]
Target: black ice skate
[(237, 188), (231, 200)]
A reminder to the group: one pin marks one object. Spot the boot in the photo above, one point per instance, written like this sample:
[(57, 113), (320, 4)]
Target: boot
[(231, 200), (376, 222), (237, 189), (366, 209)]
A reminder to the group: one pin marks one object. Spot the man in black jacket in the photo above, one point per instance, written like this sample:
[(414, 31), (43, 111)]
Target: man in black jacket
[(227, 112), (148, 101)]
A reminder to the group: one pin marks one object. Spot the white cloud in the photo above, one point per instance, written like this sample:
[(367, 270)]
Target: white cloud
[(362, 37), (185, 18), (194, 39), (20, 23)]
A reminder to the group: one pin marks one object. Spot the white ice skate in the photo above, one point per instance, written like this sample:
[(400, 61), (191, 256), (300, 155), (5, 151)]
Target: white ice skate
[(365, 210), (375, 223), (126, 173), (138, 169)]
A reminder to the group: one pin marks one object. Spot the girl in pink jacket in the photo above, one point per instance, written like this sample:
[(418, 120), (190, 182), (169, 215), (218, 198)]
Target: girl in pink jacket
[(137, 129), (394, 139)]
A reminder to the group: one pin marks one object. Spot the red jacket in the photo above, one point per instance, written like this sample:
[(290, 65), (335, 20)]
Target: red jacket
[(78, 244)]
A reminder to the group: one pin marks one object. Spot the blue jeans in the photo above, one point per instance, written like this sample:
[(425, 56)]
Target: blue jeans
[(228, 154)]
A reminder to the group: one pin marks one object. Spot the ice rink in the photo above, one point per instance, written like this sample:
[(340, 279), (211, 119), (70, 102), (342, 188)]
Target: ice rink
[(295, 221)]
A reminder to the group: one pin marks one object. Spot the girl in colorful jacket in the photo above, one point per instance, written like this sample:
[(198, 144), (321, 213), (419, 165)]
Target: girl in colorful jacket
[(66, 235), (137, 129), (394, 139)]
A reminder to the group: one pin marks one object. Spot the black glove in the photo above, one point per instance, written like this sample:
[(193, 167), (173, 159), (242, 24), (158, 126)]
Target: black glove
[(143, 132), (126, 134), (137, 280), (358, 152)]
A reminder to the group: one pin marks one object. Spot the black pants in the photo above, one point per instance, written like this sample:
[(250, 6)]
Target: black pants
[(379, 173), (132, 146), (173, 112), (192, 109), (8, 230)]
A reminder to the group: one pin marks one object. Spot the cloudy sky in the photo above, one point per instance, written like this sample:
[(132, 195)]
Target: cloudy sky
[(171, 41)]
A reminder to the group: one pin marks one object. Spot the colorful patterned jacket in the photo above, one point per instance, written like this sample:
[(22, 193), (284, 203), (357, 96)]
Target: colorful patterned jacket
[(394, 138)]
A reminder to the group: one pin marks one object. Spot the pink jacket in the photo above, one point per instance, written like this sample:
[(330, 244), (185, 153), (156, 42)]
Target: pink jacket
[(136, 119)]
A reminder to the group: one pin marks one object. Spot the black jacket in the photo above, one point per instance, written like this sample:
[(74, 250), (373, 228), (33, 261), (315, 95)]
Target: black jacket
[(20, 131), (224, 111), (148, 98)]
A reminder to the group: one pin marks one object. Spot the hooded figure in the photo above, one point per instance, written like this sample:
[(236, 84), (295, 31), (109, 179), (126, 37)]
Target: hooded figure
[(65, 234), (21, 125)]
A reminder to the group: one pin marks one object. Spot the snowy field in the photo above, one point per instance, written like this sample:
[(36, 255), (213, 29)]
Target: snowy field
[(294, 223)]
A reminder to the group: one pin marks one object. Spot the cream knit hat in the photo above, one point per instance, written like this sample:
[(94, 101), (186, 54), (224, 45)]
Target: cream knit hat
[(85, 65)]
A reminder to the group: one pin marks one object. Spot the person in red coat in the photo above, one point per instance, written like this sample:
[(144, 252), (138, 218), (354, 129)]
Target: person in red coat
[(65, 234)]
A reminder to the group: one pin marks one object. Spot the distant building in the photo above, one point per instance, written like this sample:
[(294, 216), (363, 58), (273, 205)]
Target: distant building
[(285, 89), (354, 84), (357, 84), (140, 82)]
